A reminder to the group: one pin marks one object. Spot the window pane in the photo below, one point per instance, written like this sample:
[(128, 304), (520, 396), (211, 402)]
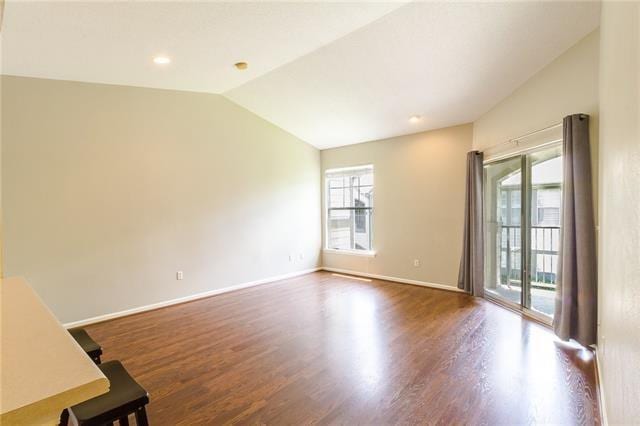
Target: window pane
[(362, 232), (546, 182), (365, 196), (349, 204), (515, 207), (336, 198), (349, 229), (339, 226)]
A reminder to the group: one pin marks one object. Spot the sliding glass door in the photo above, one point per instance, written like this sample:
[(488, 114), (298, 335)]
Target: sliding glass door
[(522, 225), (503, 239)]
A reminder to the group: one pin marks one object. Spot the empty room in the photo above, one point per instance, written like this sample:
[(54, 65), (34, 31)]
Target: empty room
[(319, 212)]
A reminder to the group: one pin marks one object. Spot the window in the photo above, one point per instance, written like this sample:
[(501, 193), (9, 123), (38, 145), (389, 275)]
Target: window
[(349, 203)]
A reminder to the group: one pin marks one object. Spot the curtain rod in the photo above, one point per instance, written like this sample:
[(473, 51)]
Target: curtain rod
[(526, 135), (510, 154)]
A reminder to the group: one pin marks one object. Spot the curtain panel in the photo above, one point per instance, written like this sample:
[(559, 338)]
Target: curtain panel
[(471, 273), (576, 293)]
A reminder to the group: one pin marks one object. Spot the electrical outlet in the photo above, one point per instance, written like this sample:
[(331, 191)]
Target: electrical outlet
[(291, 258), (416, 262), (179, 275), (300, 256)]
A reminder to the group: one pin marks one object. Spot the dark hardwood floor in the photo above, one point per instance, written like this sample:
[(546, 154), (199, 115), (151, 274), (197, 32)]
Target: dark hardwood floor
[(333, 350)]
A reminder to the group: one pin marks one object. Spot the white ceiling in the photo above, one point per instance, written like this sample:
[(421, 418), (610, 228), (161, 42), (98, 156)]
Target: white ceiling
[(330, 73), (115, 41), (447, 62)]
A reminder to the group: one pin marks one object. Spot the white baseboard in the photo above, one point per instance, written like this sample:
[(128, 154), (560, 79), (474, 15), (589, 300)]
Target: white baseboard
[(601, 399), (189, 298), (394, 279)]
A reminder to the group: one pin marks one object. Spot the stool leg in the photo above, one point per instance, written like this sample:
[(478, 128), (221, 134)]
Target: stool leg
[(141, 417), (64, 417), (124, 421)]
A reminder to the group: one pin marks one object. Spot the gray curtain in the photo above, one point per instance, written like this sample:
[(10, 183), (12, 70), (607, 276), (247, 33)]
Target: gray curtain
[(471, 274), (576, 293)]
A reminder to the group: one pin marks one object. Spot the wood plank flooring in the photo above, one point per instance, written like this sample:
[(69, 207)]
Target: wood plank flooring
[(325, 349)]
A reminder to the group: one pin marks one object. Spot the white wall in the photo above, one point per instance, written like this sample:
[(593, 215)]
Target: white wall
[(108, 191), (419, 185), (619, 263)]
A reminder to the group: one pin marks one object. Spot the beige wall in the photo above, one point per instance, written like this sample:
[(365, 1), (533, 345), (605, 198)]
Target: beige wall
[(619, 266), (1, 221), (568, 85), (108, 191), (418, 204)]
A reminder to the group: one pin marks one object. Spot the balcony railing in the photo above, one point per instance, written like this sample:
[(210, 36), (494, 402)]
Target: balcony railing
[(545, 246)]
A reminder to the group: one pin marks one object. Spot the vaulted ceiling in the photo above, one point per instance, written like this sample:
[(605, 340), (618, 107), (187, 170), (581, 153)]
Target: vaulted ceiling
[(330, 73)]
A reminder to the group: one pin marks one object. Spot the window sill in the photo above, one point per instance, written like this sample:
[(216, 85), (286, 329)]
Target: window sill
[(363, 253)]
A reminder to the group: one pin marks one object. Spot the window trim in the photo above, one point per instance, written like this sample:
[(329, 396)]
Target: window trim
[(344, 169), (325, 212), (363, 253)]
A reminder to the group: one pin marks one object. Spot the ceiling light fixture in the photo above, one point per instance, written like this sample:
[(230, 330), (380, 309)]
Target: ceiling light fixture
[(161, 60), (415, 119), (241, 65)]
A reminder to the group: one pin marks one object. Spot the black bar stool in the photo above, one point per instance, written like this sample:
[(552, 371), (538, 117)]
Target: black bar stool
[(125, 397), (87, 343)]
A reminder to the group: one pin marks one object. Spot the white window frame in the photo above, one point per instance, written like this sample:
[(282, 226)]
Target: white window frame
[(352, 252)]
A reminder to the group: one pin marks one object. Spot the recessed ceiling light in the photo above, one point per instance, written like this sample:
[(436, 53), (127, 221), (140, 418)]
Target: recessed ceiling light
[(161, 60), (241, 65), (415, 119)]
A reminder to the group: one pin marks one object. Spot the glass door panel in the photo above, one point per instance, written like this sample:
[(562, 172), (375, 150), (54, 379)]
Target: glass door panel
[(503, 235), (545, 201)]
